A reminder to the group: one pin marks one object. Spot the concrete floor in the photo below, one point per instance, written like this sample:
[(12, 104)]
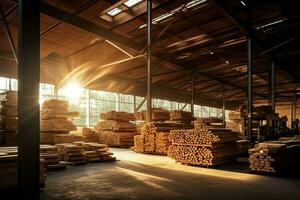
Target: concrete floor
[(140, 176)]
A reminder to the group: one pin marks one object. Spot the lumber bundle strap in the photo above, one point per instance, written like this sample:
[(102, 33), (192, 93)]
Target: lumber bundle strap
[(117, 116)]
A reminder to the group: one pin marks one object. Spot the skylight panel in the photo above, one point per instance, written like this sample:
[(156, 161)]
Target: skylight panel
[(269, 24), (114, 11), (194, 3), (131, 3)]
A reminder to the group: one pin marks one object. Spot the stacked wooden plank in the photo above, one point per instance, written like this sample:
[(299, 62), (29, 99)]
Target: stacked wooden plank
[(55, 117), (203, 147), (181, 116), (208, 122), (235, 122), (115, 129), (51, 156), (72, 154), (9, 168), (102, 151), (275, 156), (8, 114), (153, 137), (158, 114)]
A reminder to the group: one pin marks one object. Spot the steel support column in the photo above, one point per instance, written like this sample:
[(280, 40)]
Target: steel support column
[(192, 92), (249, 97), (28, 98), (273, 98), (223, 107), (149, 71), (134, 103), (293, 113)]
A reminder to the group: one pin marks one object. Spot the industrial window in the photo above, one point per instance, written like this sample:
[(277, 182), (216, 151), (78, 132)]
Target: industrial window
[(131, 3), (114, 11)]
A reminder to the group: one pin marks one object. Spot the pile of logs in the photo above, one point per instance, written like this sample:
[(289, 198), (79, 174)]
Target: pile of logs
[(115, 129), (209, 122), (203, 147), (9, 168), (154, 137), (8, 116), (275, 156), (51, 156), (55, 117)]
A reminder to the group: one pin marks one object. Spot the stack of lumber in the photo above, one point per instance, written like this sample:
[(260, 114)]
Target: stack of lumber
[(181, 116), (153, 137), (72, 154), (275, 156), (69, 138), (209, 122), (8, 114), (158, 114), (203, 147), (115, 129), (51, 156), (90, 134), (9, 168), (55, 117), (101, 150), (235, 122)]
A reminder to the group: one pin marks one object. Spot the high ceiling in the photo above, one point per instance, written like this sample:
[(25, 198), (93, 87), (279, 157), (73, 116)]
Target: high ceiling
[(102, 43)]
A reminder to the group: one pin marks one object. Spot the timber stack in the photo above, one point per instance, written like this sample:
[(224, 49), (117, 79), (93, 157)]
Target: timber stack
[(235, 122), (203, 147), (154, 137), (72, 154), (275, 157), (8, 114), (55, 120), (52, 157), (181, 116), (208, 123), (116, 129), (157, 115), (9, 168)]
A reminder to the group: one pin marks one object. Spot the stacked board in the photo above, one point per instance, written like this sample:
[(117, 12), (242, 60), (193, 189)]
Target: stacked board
[(203, 147), (181, 116), (209, 122), (158, 114), (55, 117), (72, 154), (51, 156), (115, 129), (8, 116), (235, 122), (9, 168), (275, 156), (96, 152), (154, 137)]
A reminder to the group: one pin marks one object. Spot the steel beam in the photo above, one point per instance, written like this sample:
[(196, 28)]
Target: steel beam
[(192, 92), (28, 99), (249, 97), (8, 33), (149, 59), (223, 107), (273, 85)]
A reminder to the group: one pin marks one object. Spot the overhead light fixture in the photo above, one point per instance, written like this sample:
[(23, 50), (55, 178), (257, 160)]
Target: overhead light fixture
[(227, 61), (269, 24), (211, 53), (114, 11), (131, 3), (243, 3)]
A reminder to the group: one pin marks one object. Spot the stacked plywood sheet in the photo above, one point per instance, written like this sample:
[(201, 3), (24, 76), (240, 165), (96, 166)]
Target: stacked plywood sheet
[(55, 120), (51, 156), (153, 137), (158, 114), (8, 114), (115, 129), (203, 147), (9, 168), (72, 154), (275, 156)]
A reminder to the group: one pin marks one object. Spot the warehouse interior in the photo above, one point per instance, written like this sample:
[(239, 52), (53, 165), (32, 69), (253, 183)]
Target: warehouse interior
[(148, 99)]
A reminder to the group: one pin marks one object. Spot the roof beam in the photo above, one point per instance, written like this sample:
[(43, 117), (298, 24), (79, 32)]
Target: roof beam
[(221, 6)]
